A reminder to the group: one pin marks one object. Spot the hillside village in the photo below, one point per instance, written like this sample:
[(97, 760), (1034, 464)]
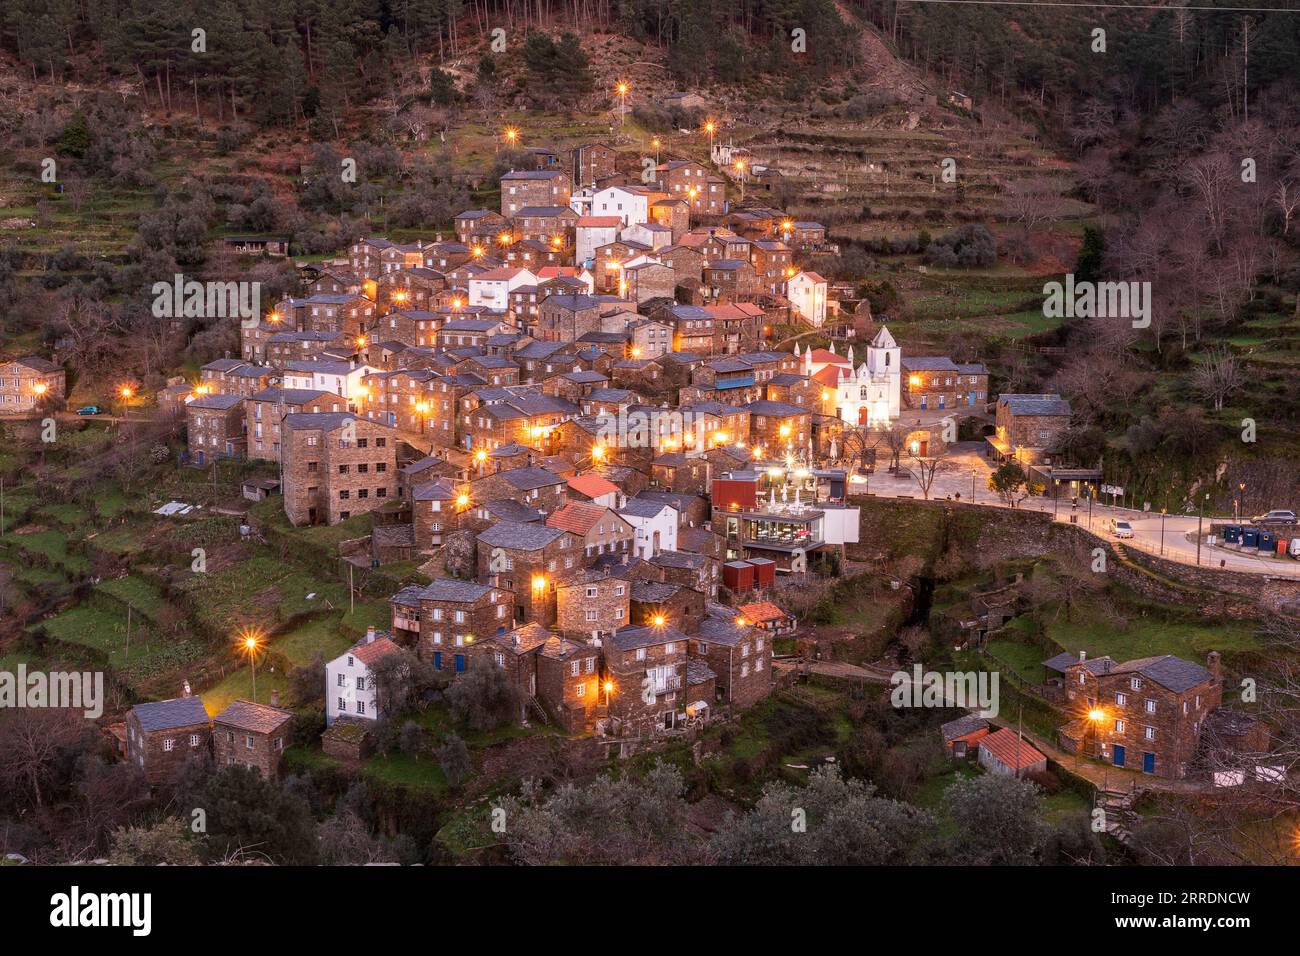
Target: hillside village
[(634, 470)]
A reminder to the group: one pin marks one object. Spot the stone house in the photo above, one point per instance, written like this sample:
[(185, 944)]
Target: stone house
[(448, 615), (647, 667), (26, 383), (1028, 428), (214, 428), (336, 465), (594, 604), (254, 735), (161, 737), (738, 653), (528, 559)]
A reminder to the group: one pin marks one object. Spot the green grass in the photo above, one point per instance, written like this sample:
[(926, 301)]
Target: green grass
[(1149, 636), (238, 685), (51, 545), (140, 594), (404, 771), (321, 635), (1025, 660)]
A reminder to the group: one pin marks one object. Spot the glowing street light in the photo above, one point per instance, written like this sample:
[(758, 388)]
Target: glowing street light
[(274, 316), (462, 501), (636, 351), (710, 127), (512, 135), (539, 583), (39, 388), (476, 251), (250, 643), (621, 90), (659, 620)]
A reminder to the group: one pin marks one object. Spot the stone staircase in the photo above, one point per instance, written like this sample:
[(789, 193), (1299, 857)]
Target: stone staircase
[(1120, 815)]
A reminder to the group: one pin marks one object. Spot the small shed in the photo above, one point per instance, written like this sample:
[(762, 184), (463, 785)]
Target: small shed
[(738, 576), (1006, 753), (259, 489), (962, 735)]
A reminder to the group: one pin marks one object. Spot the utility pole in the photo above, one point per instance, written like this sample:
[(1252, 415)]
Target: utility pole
[(1245, 68), (128, 633), (352, 598)]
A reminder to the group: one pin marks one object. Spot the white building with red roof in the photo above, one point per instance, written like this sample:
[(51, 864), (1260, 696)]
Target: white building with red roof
[(807, 292), (869, 394), (349, 681)]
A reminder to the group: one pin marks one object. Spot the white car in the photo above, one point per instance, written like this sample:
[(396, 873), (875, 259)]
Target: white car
[(1121, 529)]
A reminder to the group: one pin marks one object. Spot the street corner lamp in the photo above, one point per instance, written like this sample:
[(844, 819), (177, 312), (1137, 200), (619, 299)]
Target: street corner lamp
[(480, 456), (39, 388), (597, 452), (609, 687), (361, 341), (1096, 715), (539, 582), (511, 134), (126, 391), (462, 500), (456, 304), (785, 431), (741, 622), (250, 643), (636, 351), (476, 251), (659, 620), (399, 296)]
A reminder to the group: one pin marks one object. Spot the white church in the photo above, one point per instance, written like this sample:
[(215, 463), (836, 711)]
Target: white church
[(868, 395)]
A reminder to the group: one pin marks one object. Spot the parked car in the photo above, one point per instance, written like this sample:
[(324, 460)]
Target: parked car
[(1278, 516), (1295, 548), (88, 410), (1121, 529)]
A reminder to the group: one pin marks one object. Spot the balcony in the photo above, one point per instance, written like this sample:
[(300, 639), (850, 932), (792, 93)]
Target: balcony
[(667, 685)]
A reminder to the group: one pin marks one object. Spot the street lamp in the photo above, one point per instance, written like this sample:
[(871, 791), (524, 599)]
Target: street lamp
[(1238, 504), (422, 408), (511, 135), (740, 168), (709, 127), (621, 89), (1163, 512), (249, 644), (1056, 496), (655, 143)]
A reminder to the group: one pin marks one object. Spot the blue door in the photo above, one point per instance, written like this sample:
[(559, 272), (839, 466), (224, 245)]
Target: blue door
[(1119, 755), (200, 456), (392, 418), (943, 399), (437, 660), (1148, 763), (923, 398), (460, 663), (970, 398)]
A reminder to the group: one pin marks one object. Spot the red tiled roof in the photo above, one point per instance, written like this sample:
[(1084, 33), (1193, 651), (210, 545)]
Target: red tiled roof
[(824, 355), (593, 486), (1014, 753), (814, 276), (577, 516), (379, 647), (761, 612), (829, 376), (599, 222)]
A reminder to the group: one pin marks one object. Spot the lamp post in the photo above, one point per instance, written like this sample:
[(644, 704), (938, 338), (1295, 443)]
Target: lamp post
[(1056, 497), (740, 168), (621, 89), (1239, 502), (710, 127), (1163, 512), (250, 645)]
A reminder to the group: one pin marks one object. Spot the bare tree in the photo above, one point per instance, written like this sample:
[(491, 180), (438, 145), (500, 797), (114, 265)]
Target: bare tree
[(924, 470), (1218, 377)]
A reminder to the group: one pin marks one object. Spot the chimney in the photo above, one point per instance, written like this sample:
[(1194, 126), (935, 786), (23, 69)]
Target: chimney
[(275, 697), (185, 690), (1083, 656), (1212, 665), (370, 634), (516, 640)]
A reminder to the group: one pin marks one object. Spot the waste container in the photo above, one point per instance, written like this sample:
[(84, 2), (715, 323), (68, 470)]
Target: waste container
[(1267, 541), (1232, 534), (1250, 537)]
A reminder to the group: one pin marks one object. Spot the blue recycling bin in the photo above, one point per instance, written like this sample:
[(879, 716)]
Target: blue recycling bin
[(1232, 534), (1267, 541), (1250, 537)]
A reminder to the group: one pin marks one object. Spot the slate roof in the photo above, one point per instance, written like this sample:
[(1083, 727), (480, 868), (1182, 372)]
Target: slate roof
[(963, 726), (529, 478), (257, 718), (519, 536), (698, 672), (1095, 665), (640, 508), (170, 714), (774, 409), (505, 509), (452, 589), (630, 638), (929, 363), (1166, 670), (217, 402), (1035, 405)]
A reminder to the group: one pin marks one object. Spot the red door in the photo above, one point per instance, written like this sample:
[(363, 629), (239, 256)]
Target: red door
[(862, 415)]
